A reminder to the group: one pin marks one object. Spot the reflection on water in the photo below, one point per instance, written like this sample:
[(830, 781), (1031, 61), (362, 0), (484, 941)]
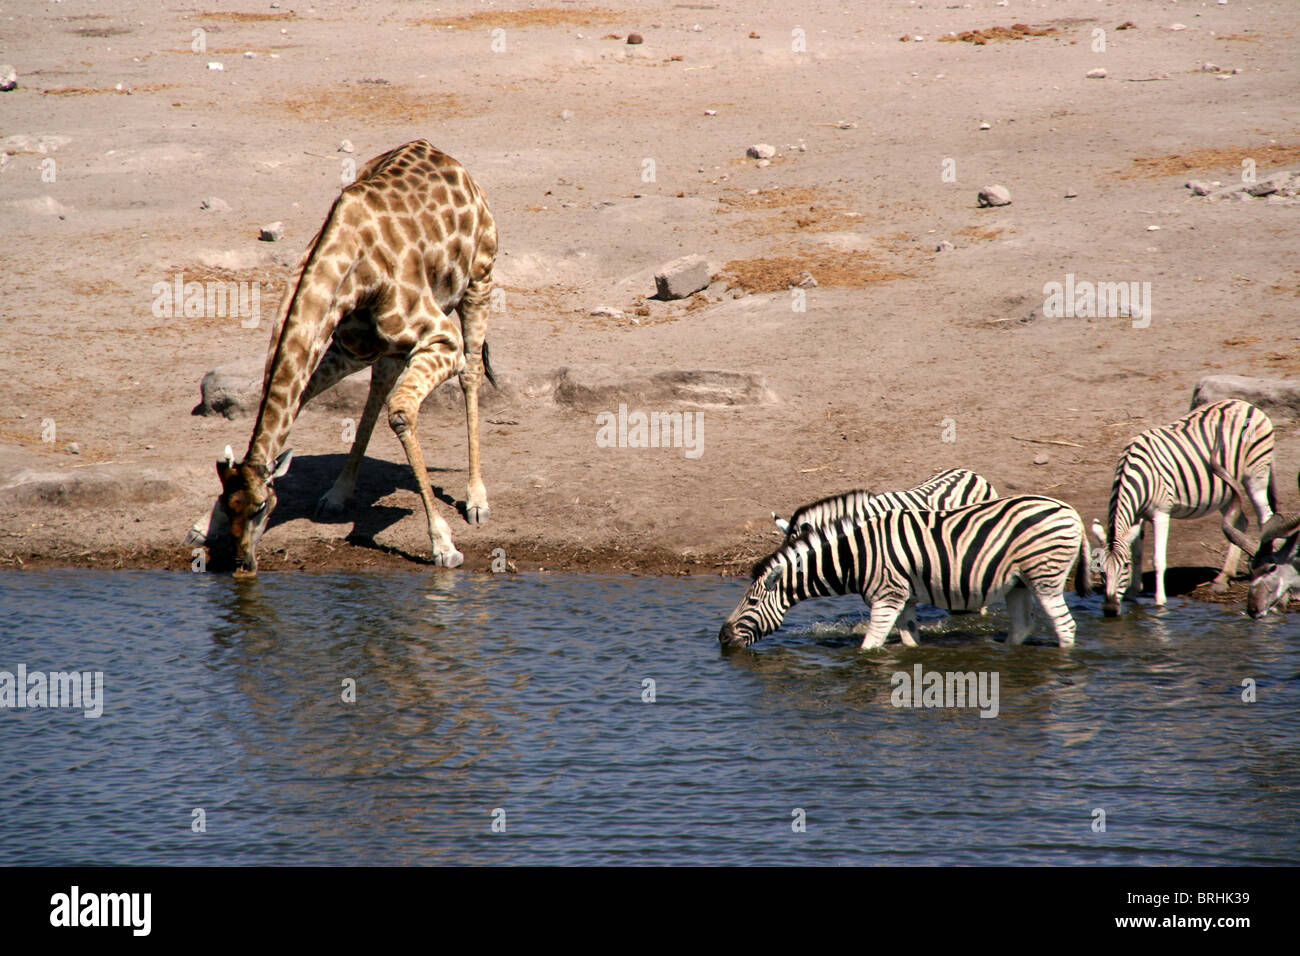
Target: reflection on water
[(524, 695)]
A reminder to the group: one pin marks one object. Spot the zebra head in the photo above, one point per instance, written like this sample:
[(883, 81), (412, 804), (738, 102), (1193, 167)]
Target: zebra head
[(1114, 562), (762, 609)]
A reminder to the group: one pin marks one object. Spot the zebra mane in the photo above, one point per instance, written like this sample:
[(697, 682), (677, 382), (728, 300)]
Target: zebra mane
[(812, 537)]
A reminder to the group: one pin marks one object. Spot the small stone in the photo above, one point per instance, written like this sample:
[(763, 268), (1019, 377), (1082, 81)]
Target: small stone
[(215, 66), (682, 277), (272, 232), (1178, 26), (566, 115), (345, 146), (1209, 68), (1041, 459), (995, 196), (1264, 187), (944, 246), (1153, 228), (985, 126), (215, 204), (1098, 74), (1071, 194), (8, 78), (250, 55), (803, 280), (1199, 187), (74, 448), (754, 36), (710, 112), (634, 38), (761, 151), (763, 162), (607, 312)]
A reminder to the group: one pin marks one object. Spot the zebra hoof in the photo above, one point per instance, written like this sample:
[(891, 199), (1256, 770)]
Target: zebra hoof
[(1218, 587)]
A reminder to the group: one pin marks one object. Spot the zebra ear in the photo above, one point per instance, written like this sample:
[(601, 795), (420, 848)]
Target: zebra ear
[(781, 523), (772, 579), (1100, 534)]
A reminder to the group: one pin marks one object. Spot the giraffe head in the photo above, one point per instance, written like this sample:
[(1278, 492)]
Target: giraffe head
[(241, 513)]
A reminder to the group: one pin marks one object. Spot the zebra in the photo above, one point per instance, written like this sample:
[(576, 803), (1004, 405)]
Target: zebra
[(1275, 561), (960, 559), (948, 489), (1169, 471)]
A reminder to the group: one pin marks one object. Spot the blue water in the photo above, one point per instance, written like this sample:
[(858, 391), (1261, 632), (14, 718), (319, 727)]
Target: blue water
[(523, 694)]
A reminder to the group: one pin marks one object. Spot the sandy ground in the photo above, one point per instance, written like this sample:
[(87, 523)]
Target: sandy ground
[(603, 160)]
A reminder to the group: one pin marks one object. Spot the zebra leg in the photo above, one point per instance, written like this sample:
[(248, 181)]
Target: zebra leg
[(1019, 604), (884, 612), (1135, 569), (907, 629), (1220, 583), (1051, 598), (1160, 527)]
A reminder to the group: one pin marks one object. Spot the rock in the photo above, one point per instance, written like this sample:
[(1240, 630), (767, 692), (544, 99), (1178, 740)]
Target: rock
[(74, 448), (566, 115), (761, 151), (635, 38), (995, 196), (235, 391), (682, 277), (1098, 74), (8, 78), (1276, 397), (345, 146), (272, 232), (23, 143), (1178, 26), (597, 388), (763, 162), (215, 204), (607, 311), (1071, 194), (1262, 188), (102, 487), (803, 280), (1209, 68), (944, 246), (216, 66), (1199, 187), (1041, 458), (985, 126)]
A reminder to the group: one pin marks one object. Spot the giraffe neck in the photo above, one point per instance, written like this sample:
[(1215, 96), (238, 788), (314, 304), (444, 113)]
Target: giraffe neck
[(312, 315)]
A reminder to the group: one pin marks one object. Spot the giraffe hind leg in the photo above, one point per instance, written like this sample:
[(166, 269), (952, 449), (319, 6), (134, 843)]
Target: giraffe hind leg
[(382, 376)]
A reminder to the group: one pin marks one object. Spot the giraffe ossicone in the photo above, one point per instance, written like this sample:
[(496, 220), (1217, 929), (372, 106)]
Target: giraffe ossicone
[(407, 243)]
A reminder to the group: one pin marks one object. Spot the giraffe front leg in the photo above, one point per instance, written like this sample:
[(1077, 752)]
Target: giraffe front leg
[(382, 376), (473, 320), (425, 371)]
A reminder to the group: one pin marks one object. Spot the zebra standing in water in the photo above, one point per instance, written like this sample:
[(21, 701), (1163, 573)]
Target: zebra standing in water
[(1020, 548), (1170, 472), (948, 489)]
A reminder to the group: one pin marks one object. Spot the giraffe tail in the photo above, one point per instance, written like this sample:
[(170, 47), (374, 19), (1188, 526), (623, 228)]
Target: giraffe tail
[(487, 367)]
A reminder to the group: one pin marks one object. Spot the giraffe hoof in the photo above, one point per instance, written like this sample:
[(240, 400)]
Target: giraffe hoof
[(448, 559), (478, 514), (328, 507)]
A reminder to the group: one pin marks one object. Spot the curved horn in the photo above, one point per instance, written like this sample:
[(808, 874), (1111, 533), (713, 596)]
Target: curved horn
[(1278, 526), (1230, 530)]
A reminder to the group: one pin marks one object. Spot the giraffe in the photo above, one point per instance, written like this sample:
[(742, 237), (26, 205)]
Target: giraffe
[(410, 240)]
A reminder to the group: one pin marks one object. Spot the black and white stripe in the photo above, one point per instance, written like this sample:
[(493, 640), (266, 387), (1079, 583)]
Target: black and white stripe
[(1174, 471), (949, 489), (1018, 548)]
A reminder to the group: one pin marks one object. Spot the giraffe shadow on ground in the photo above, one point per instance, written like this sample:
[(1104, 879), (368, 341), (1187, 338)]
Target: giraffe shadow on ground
[(312, 475)]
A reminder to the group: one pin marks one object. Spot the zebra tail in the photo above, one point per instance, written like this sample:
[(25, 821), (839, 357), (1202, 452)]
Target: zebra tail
[(1082, 570), (1272, 488)]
